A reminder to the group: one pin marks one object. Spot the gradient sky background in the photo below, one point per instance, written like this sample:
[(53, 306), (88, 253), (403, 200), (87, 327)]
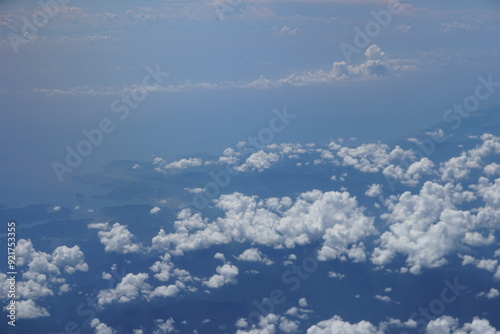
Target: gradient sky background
[(64, 79)]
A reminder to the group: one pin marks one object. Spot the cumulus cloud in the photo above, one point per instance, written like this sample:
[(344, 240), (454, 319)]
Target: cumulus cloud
[(164, 326), (130, 288), (71, 259), (447, 324), (425, 227), (336, 325), (412, 175), (460, 167), (162, 165), (268, 324), (477, 239), (492, 294), (118, 239), (372, 158), (165, 291), (44, 273), (334, 217), (492, 169), (27, 309), (258, 161), (374, 190), (226, 274), (101, 328), (486, 264), (254, 255)]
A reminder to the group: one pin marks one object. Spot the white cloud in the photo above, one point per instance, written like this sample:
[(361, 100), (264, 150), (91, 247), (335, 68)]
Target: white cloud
[(372, 158), (410, 176), (185, 163), (101, 328), (333, 217), (486, 264), (118, 239), (27, 309), (377, 65), (154, 210), (71, 259), (333, 274), (99, 226), (254, 255), (492, 294), (220, 256), (374, 190), (447, 324), (459, 167), (130, 288), (164, 326), (165, 291), (383, 298), (269, 324), (194, 190), (492, 169), (424, 227), (477, 239), (336, 325), (258, 161), (226, 274), (44, 270)]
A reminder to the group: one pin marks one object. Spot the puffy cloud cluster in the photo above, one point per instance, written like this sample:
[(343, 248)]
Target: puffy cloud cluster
[(485, 264), (459, 167), (254, 255), (269, 324), (162, 165), (27, 309), (164, 326), (336, 325), (425, 227), (447, 324), (489, 215), (130, 288), (101, 328), (43, 275), (410, 176), (334, 217), (226, 274), (373, 157), (118, 239), (491, 294), (376, 65), (258, 161)]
